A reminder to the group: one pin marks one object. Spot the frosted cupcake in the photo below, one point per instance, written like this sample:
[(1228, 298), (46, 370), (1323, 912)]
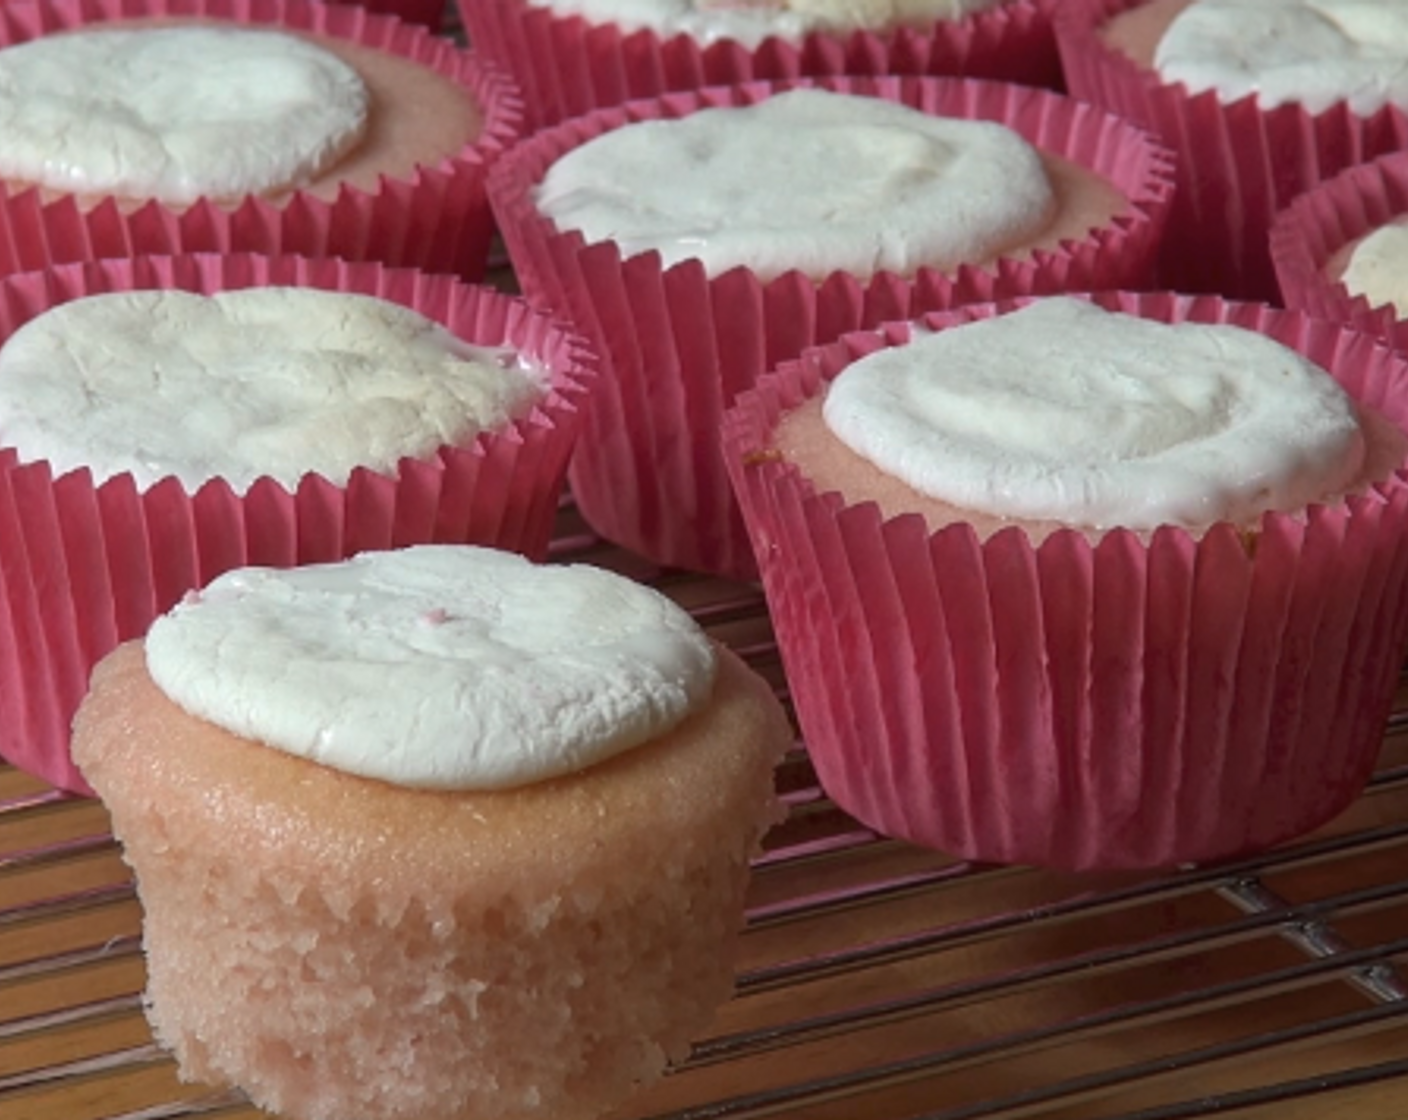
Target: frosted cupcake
[(314, 129), (153, 439), (1341, 249), (574, 56), (1127, 612), (433, 833), (946, 204), (1261, 100)]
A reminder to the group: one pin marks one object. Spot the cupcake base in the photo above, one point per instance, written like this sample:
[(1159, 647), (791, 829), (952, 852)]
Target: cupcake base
[(437, 219), (568, 67), (340, 947), (1123, 702), (84, 566), (1324, 221), (1237, 164)]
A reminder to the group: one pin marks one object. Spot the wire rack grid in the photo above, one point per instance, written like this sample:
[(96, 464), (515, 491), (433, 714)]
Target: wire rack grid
[(876, 980)]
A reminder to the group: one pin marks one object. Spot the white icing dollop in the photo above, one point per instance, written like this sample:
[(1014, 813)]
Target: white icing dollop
[(1311, 52), (1378, 268), (809, 180), (175, 113), (443, 667), (1063, 411), (246, 383), (750, 22)]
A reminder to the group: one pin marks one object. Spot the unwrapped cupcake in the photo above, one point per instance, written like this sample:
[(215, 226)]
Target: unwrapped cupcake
[(433, 833), (295, 127), (701, 238), (1087, 584), (1341, 249), (1261, 100), (573, 56), (165, 420)]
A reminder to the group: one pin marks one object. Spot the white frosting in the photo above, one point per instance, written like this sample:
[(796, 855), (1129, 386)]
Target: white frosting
[(1312, 52), (1378, 269), (438, 667), (175, 113), (808, 179), (1063, 411), (247, 383), (749, 22)]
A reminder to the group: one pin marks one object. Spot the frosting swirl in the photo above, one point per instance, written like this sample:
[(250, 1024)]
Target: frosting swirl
[(1063, 411), (808, 180), (1378, 268), (750, 22), (1311, 52), (247, 383), (445, 667), (175, 113)]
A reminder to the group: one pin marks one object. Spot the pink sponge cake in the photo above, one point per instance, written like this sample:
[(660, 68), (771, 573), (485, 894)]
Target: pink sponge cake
[(433, 833)]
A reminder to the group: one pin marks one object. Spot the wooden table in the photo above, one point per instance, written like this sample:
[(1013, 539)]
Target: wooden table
[(876, 980)]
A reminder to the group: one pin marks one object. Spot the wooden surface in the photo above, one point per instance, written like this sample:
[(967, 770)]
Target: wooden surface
[(876, 980)]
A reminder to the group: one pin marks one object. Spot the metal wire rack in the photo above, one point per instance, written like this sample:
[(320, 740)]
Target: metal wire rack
[(876, 979)]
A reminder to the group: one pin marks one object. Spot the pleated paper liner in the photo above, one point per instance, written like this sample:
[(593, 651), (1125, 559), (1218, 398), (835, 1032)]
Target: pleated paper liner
[(568, 66), (427, 13), (677, 345), (1115, 701), (1238, 165), (1326, 220), (84, 567), (436, 220)]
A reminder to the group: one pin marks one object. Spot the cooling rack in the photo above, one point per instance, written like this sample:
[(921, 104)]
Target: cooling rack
[(876, 980)]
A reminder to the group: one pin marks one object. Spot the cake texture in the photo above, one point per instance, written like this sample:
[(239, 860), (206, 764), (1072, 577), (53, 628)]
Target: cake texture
[(1312, 238), (679, 342), (89, 562), (374, 142), (1123, 697), (1242, 159), (572, 58), (339, 946)]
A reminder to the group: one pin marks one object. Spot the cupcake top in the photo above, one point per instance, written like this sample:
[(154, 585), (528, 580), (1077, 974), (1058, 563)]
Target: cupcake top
[(255, 382), (175, 113), (809, 180), (751, 21), (1063, 411), (444, 667), (1377, 268), (1315, 53)]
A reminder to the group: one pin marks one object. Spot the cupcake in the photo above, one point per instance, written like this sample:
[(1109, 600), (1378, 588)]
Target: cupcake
[(298, 128), (1261, 101), (153, 439), (433, 833), (1341, 249), (686, 318), (571, 57), (1040, 607)]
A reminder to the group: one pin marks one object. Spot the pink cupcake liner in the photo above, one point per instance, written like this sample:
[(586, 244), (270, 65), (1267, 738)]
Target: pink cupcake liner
[(1320, 223), (568, 67), (427, 13), (1237, 164), (1136, 702), (677, 345), (438, 220), (85, 567)]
